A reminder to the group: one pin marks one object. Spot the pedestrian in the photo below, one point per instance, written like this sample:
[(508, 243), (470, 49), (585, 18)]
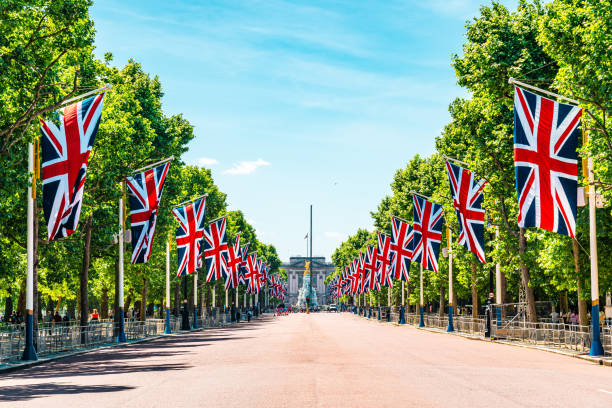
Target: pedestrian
[(249, 314), (57, 319), (237, 315), (233, 312), (602, 317), (95, 317)]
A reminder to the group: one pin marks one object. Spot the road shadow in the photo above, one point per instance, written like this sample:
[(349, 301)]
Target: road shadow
[(31, 391)]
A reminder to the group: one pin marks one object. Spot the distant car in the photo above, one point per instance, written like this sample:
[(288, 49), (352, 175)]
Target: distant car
[(332, 308)]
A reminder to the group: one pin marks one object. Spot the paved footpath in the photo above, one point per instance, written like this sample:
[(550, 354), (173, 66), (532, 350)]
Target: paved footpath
[(317, 360)]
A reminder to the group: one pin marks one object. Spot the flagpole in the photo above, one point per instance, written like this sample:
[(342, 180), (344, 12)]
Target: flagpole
[(450, 327), (421, 320), (193, 199), (498, 286), (535, 88), (227, 316), (195, 300), (29, 353), (76, 98), (154, 164), (422, 195), (214, 312), (454, 160), (596, 347), (167, 329), (403, 308), (121, 336)]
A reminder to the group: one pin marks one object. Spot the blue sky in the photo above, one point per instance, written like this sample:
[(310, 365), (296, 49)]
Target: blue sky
[(298, 102)]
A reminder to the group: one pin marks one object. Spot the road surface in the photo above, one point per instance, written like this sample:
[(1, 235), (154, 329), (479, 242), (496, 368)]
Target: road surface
[(317, 360)]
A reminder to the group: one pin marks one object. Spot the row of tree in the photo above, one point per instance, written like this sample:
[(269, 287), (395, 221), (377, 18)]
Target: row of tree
[(46, 57), (564, 46)]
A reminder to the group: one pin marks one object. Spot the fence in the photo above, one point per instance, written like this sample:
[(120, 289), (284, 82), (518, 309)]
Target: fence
[(51, 339), (557, 335)]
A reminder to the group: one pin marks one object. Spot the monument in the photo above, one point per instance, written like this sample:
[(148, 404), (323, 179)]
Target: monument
[(307, 297)]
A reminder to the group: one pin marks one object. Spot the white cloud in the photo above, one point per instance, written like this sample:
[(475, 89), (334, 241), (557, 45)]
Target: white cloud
[(207, 161), (246, 167)]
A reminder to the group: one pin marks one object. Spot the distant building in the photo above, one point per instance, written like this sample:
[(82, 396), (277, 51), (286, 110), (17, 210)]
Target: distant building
[(295, 274)]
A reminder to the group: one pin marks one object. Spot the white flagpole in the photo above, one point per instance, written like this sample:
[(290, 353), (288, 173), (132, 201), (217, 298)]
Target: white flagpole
[(121, 336), (498, 286), (29, 353), (596, 347), (421, 322), (195, 300), (450, 327), (167, 329)]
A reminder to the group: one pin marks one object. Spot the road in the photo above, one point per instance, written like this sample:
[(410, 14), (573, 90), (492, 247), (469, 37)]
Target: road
[(317, 360)]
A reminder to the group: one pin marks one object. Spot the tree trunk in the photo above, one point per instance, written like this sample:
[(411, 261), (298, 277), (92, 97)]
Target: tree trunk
[(474, 290), (85, 276), (531, 309), (8, 304), (116, 307), (177, 294), (21, 300), (104, 304), (408, 307), (442, 301), (143, 302), (128, 300), (563, 303)]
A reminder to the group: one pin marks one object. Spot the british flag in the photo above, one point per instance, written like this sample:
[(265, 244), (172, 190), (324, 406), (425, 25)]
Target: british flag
[(252, 276), (427, 224), (361, 272), (467, 200), (383, 261), (66, 146), (244, 250), (215, 250), (369, 266), (233, 261), (545, 162), (189, 235), (354, 276), (146, 190), (346, 280), (263, 278), (400, 249)]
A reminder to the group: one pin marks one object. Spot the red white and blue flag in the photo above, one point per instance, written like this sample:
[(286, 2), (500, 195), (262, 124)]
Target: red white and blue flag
[(545, 162), (383, 261), (244, 250), (146, 190), (369, 266), (215, 250), (361, 272), (400, 249), (66, 146), (234, 259), (467, 200), (252, 276), (189, 235), (427, 225)]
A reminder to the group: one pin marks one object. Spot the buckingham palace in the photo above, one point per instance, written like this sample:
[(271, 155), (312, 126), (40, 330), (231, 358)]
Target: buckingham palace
[(295, 274)]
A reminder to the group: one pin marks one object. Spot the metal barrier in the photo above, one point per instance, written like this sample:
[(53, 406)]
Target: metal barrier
[(51, 339)]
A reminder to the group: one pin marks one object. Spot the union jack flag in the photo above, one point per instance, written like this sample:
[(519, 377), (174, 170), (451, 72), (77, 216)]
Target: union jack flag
[(361, 272), (146, 190), (400, 249), (233, 261), (354, 276), (252, 275), (215, 250), (369, 266), (545, 162), (383, 261), (346, 280), (65, 153), (243, 263), (467, 200), (427, 224), (189, 235)]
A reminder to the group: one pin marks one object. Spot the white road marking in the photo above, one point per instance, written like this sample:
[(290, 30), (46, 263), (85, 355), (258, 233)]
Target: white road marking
[(607, 392)]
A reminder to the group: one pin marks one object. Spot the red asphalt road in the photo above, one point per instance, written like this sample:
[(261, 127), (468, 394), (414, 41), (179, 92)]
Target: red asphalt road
[(317, 360)]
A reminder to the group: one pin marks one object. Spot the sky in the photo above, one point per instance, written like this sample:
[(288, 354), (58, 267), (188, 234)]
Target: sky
[(298, 102)]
